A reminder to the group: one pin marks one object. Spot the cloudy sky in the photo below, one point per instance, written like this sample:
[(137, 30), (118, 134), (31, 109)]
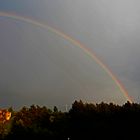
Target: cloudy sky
[(38, 66)]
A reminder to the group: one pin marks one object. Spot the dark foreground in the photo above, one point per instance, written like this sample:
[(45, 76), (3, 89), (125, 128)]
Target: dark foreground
[(83, 121)]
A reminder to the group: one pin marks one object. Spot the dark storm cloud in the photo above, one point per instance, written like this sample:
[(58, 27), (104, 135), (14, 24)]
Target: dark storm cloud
[(110, 28)]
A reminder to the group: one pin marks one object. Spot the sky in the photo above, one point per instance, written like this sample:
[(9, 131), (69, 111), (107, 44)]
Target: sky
[(37, 66)]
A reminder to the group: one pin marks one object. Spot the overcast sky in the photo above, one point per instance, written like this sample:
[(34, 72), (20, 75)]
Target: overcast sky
[(39, 67)]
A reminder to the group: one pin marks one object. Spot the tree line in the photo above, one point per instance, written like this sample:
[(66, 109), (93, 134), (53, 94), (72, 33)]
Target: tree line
[(82, 121)]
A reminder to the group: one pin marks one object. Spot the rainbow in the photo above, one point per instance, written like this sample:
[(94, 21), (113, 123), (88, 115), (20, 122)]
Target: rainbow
[(73, 41)]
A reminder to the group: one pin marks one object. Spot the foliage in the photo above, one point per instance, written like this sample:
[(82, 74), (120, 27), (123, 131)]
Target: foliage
[(84, 120)]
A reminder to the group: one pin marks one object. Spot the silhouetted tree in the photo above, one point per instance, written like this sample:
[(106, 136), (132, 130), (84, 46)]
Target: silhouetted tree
[(83, 121)]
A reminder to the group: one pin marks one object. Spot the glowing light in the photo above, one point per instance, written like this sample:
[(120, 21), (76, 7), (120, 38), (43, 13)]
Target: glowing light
[(4, 115)]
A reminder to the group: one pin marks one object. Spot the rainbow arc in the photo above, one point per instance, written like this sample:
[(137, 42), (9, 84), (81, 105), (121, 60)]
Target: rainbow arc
[(74, 42)]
